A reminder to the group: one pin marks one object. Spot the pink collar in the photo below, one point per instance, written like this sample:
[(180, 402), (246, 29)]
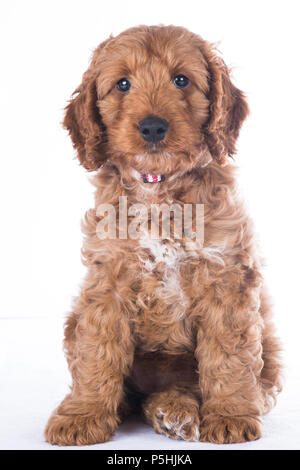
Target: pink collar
[(146, 178)]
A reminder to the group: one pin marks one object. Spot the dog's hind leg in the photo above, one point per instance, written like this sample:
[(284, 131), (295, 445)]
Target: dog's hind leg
[(174, 413)]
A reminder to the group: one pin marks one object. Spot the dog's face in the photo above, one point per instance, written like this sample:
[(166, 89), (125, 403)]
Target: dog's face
[(157, 100)]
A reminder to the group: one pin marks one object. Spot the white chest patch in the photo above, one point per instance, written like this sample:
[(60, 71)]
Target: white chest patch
[(168, 253), (171, 255)]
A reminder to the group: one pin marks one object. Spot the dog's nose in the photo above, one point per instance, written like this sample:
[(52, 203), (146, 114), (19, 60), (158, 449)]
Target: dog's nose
[(153, 129)]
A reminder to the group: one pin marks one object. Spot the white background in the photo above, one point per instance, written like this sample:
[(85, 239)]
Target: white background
[(45, 48)]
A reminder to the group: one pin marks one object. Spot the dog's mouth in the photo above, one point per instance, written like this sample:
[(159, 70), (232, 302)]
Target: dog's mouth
[(154, 149)]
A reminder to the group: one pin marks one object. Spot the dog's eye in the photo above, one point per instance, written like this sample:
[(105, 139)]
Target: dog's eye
[(123, 85), (180, 81)]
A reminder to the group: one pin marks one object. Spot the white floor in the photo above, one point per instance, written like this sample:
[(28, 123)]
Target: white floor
[(34, 378)]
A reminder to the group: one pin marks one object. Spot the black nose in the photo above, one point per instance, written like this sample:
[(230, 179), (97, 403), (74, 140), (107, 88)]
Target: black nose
[(153, 129)]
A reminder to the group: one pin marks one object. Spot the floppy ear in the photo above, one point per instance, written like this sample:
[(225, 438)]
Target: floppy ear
[(83, 120), (228, 108)]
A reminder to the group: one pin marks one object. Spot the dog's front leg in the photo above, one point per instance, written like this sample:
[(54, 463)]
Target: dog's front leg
[(100, 351), (229, 354)]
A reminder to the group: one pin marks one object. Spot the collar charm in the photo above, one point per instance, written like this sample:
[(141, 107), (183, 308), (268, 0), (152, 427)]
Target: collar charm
[(146, 178)]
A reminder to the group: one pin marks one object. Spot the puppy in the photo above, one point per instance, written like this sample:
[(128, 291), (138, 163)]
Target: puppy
[(176, 327)]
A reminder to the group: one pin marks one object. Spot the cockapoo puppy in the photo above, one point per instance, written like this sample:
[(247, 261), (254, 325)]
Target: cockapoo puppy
[(176, 327)]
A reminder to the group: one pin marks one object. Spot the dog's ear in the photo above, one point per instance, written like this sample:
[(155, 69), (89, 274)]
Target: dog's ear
[(83, 120), (228, 108)]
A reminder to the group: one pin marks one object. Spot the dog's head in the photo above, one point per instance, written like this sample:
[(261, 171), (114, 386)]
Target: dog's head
[(155, 99)]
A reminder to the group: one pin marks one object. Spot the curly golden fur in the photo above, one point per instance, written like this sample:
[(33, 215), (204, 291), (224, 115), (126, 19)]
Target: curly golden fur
[(184, 336)]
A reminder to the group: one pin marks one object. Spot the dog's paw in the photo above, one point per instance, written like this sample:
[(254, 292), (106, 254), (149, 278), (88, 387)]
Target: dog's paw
[(76, 430), (230, 430), (183, 424)]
